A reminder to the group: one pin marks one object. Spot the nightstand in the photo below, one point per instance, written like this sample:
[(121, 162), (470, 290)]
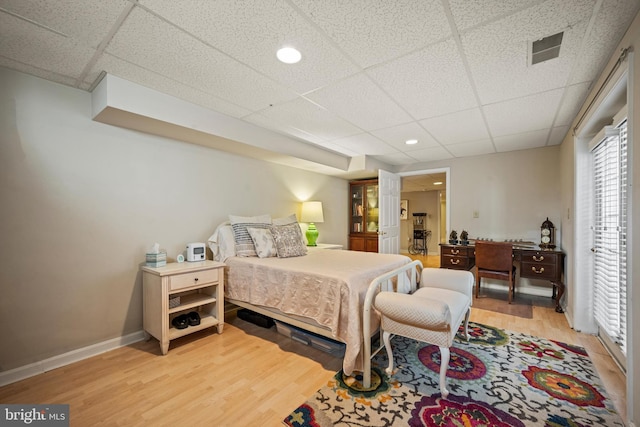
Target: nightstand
[(325, 246), (191, 286)]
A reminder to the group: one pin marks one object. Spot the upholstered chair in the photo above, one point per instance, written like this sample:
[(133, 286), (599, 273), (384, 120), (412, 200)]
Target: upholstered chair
[(432, 314)]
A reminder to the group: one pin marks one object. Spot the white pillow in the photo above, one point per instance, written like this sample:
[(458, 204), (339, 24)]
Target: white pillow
[(222, 242), (244, 244), (263, 241), (285, 220)]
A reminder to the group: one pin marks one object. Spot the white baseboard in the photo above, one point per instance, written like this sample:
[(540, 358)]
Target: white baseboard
[(65, 359)]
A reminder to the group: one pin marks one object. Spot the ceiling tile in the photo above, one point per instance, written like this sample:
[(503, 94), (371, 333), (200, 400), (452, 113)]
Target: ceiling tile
[(253, 33), (557, 135), (396, 136), (498, 52), (310, 118), (376, 31), (364, 143), (358, 100), (573, 98), (468, 14), (157, 46), (396, 159), (530, 113), (92, 19), (472, 148), (144, 77), (30, 44), (604, 36), (428, 83), (430, 154), (522, 141), (463, 126)]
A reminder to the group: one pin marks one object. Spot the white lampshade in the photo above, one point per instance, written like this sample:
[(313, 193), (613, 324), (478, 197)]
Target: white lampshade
[(312, 212)]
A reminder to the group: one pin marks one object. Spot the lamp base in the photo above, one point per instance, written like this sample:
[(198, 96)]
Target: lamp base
[(312, 235)]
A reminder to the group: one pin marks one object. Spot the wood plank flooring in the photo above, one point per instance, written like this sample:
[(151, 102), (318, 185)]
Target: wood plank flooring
[(246, 376)]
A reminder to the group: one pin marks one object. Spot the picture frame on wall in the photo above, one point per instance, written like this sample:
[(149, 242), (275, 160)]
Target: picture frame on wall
[(404, 209)]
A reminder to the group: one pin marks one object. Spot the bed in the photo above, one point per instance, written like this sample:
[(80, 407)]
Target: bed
[(320, 290)]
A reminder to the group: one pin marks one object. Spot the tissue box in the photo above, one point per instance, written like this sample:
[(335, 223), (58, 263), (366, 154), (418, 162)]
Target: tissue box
[(157, 260), (174, 301)]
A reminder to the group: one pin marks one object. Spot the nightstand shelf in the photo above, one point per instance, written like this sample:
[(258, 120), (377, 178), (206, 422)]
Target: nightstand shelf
[(192, 300), (205, 322)]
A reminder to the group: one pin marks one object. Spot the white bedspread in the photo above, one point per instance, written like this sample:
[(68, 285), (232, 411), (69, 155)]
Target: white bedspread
[(327, 286)]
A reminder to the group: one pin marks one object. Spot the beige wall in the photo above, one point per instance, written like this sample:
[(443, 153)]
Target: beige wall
[(80, 202)]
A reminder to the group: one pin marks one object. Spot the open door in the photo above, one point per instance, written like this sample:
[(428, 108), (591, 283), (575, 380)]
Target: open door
[(389, 212)]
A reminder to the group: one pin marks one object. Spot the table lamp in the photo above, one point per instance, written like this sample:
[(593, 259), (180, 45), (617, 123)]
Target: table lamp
[(312, 213)]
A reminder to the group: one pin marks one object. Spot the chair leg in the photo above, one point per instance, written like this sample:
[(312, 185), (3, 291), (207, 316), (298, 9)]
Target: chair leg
[(466, 324), (510, 289), (386, 338), (478, 285), (445, 355)]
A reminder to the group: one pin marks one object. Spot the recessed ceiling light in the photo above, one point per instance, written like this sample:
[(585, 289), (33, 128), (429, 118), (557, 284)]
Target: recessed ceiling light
[(437, 183), (289, 55), (411, 141)]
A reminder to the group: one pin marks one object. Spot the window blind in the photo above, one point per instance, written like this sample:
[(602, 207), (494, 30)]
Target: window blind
[(610, 233)]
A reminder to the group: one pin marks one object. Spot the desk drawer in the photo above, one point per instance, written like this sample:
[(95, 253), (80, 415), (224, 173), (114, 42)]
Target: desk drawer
[(539, 257), (457, 251), (187, 280), (455, 262), (537, 270)]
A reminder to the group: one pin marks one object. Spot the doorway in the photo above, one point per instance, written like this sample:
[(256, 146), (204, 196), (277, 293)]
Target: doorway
[(426, 191)]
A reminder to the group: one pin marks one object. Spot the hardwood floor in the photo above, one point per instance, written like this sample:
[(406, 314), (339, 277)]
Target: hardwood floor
[(246, 376)]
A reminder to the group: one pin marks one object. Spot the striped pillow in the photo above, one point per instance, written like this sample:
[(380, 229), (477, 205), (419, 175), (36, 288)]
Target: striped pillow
[(244, 244)]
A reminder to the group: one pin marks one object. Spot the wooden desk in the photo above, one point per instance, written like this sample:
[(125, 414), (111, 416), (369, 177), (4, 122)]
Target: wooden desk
[(534, 264)]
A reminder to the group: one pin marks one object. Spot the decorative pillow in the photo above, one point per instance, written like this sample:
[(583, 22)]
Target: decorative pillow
[(244, 243), (291, 219), (285, 220), (263, 241), (288, 240)]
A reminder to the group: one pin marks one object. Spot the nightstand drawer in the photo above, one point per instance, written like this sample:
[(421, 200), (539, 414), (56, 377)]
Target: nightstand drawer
[(186, 280)]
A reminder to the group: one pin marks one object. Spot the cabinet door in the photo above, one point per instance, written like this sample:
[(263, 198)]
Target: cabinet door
[(357, 209)]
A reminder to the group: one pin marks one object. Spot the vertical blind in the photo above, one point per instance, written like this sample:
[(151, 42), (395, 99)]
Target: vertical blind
[(610, 234)]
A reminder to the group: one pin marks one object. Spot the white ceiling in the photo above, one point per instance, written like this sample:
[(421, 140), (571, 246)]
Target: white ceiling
[(453, 74)]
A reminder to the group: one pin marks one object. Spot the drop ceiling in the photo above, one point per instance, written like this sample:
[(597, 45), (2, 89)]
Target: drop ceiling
[(453, 74)]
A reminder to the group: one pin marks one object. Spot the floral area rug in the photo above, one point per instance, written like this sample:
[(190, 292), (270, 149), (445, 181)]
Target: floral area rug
[(498, 378)]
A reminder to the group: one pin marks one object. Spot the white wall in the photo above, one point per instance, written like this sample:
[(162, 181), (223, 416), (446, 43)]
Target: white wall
[(80, 201)]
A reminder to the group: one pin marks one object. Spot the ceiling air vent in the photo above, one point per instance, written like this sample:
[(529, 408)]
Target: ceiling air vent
[(546, 48)]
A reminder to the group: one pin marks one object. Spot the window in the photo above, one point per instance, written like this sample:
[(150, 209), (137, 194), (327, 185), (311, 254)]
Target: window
[(610, 233)]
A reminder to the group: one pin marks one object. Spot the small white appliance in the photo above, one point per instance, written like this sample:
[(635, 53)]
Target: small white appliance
[(196, 252)]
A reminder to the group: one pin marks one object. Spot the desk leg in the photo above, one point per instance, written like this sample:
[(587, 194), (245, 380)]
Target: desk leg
[(558, 295)]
